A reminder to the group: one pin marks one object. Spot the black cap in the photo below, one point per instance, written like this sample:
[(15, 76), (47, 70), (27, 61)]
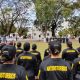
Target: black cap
[(8, 52), (34, 46), (26, 46), (55, 47)]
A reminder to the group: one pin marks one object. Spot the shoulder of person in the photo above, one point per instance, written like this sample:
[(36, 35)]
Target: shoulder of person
[(76, 60)]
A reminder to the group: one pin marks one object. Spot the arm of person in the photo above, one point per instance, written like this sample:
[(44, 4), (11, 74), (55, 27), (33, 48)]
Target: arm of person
[(74, 70), (23, 74), (42, 74), (69, 73)]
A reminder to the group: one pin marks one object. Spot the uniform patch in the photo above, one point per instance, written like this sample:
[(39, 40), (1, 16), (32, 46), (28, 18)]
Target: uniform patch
[(26, 57), (35, 53), (70, 51), (7, 75), (18, 50), (56, 68)]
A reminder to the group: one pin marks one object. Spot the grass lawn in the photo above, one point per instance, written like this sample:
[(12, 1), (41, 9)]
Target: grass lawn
[(42, 46)]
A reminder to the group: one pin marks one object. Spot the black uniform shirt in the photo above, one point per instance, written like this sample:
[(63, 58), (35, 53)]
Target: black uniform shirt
[(19, 51), (46, 57), (69, 54), (38, 57), (55, 69), (12, 72), (28, 61), (76, 69)]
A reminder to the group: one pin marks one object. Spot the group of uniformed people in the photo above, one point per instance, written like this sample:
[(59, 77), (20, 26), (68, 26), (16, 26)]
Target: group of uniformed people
[(23, 64)]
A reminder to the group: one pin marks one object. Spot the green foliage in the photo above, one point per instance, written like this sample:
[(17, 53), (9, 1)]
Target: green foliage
[(12, 13), (22, 31), (51, 11), (72, 31), (3, 31)]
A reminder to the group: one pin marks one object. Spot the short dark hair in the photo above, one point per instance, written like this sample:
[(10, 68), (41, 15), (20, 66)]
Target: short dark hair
[(19, 44), (34, 47), (69, 44), (26, 46)]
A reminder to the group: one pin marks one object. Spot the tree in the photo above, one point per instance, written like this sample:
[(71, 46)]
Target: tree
[(11, 12), (74, 16), (22, 31), (72, 31), (63, 32), (51, 12)]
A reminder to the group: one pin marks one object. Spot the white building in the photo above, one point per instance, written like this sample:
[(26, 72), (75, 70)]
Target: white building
[(37, 34)]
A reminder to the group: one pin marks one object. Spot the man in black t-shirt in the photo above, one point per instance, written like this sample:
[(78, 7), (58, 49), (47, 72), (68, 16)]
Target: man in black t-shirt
[(8, 70), (55, 68), (19, 50), (76, 69), (47, 51), (37, 55), (28, 61)]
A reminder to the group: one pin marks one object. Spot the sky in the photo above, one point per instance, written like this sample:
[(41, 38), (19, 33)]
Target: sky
[(32, 15)]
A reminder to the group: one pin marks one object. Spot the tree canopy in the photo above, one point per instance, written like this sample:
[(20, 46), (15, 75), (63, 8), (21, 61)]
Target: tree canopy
[(51, 12), (12, 12)]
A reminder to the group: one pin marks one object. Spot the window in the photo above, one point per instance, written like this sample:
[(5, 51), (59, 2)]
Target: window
[(47, 34)]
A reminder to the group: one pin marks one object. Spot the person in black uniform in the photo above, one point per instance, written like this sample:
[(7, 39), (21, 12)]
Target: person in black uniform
[(19, 50), (28, 61), (8, 70), (55, 68), (76, 69), (47, 51), (70, 53), (37, 55)]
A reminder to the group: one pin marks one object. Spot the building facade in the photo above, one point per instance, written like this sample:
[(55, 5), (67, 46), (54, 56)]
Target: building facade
[(36, 34)]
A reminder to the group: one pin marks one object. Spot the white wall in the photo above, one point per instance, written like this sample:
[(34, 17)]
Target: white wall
[(36, 33)]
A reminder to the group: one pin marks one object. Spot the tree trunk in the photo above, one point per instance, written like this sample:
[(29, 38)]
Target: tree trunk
[(53, 33), (10, 28)]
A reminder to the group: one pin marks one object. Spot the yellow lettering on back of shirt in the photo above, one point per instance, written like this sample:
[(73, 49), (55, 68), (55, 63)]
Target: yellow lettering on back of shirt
[(26, 57), (18, 50), (56, 68), (34, 53), (70, 51), (8, 75)]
